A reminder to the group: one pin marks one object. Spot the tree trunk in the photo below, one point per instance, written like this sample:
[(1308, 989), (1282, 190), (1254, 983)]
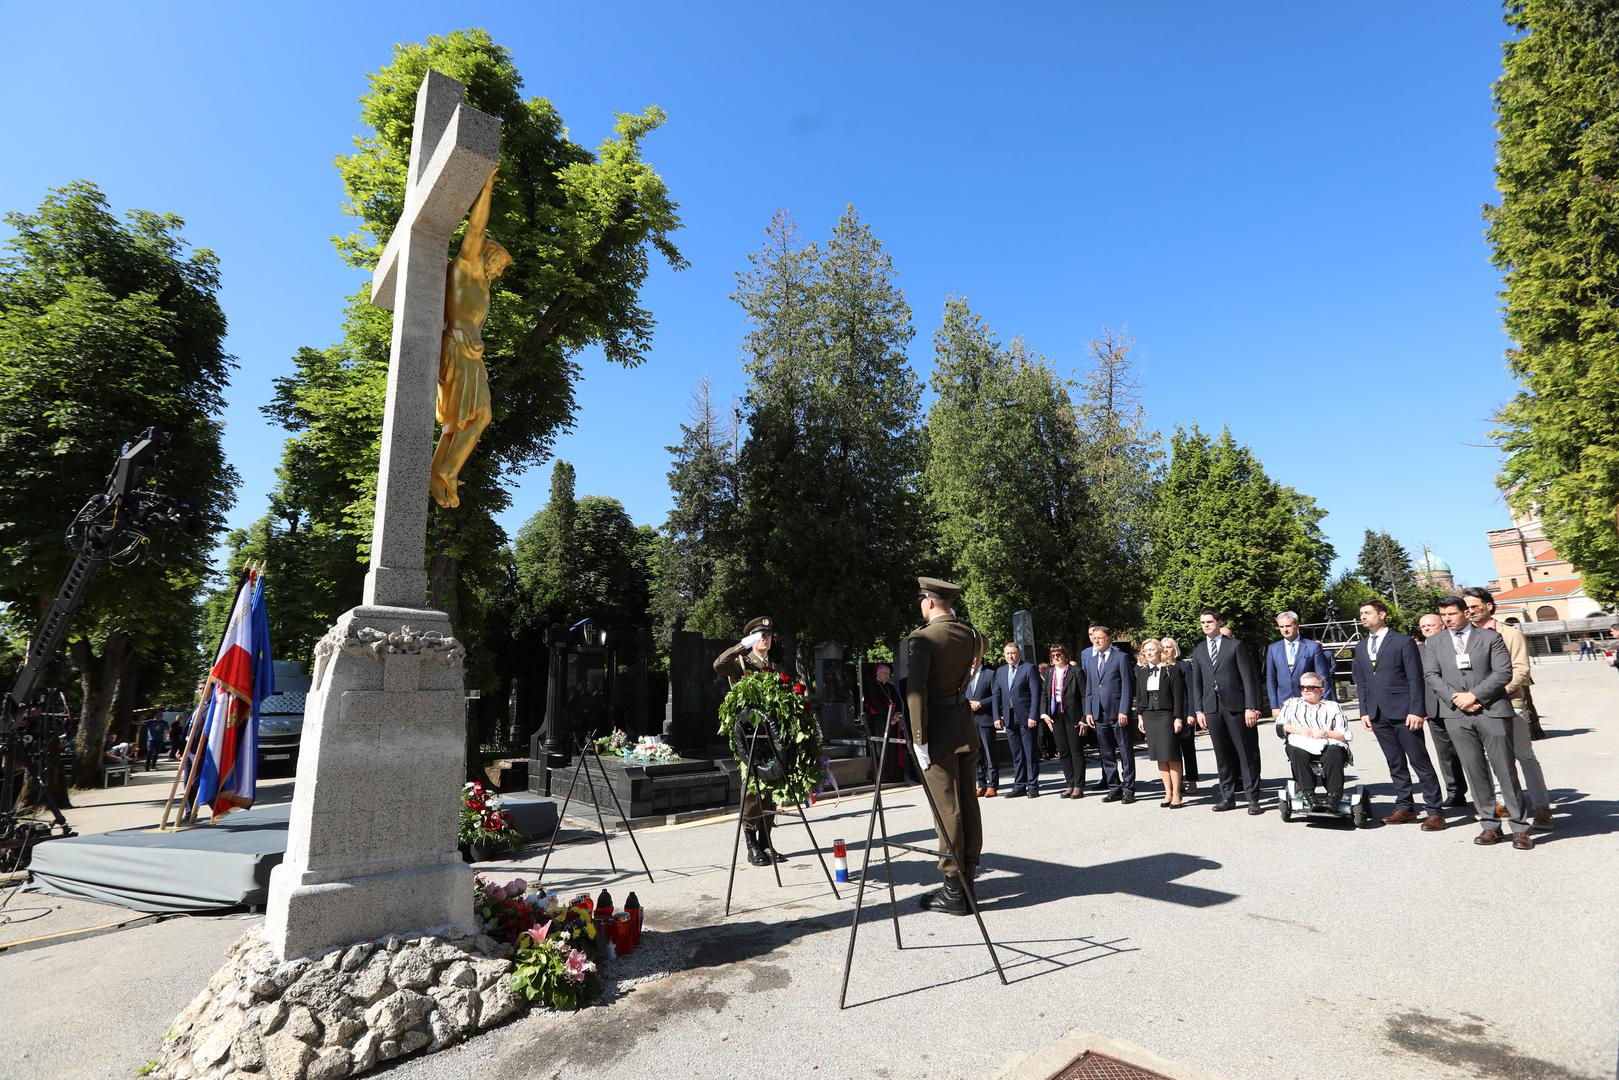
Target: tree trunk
[(98, 679)]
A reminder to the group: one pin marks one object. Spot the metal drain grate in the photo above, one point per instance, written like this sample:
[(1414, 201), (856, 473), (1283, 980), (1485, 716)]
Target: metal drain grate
[(1093, 1066)]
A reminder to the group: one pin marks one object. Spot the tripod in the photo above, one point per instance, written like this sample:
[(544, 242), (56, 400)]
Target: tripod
[(22, 753), (585, 754), (877, 818), (748, 781)]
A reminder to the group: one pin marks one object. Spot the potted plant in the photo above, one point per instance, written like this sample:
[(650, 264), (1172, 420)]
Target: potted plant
[(485, 829)]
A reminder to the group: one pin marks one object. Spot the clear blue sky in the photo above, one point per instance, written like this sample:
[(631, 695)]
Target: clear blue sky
[(1282, 204)]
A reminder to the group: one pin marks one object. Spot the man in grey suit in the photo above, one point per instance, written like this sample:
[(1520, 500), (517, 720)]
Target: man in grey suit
[(1468, 669), (1444, 751)]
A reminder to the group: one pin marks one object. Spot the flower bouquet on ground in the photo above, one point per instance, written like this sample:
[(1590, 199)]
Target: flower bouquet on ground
[(485, 827), (559, 959), (614, 744), (783, 713)]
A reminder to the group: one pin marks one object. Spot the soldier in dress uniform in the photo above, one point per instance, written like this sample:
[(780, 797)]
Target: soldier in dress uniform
[(752, 654), (939, 657)]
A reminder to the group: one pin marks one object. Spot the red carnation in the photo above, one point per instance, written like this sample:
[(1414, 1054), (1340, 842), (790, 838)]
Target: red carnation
[(784, 677), (798, 688)]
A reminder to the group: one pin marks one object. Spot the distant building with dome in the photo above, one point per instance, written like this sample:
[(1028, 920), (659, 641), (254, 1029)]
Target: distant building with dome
[(1432, 572)]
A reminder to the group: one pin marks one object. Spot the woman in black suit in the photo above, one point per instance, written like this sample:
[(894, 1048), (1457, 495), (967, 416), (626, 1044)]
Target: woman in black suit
[(1171, 653), (1160, 710)]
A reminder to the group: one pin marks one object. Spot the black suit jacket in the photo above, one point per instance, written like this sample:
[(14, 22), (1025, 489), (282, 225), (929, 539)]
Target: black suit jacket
[(1171, 690), (1397, 688), (1227, 683), (1073, 696)]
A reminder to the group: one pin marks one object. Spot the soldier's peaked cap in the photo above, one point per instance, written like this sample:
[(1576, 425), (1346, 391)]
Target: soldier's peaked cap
[(939, 589), (760, 622)]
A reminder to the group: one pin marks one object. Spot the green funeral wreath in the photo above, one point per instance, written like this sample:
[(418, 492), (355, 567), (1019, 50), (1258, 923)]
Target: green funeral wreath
[(786, 706)]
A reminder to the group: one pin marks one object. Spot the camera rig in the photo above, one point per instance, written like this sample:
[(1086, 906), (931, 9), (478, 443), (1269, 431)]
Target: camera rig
[(114, 526)]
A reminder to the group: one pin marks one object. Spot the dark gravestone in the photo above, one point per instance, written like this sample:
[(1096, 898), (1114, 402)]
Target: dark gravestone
[(695, 692), (1023, 634)]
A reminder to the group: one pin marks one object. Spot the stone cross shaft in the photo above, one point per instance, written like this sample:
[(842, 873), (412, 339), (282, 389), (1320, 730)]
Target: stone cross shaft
[(453, 150)]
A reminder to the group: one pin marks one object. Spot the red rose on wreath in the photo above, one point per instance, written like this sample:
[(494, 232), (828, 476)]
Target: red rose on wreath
[(784, 677), (798, 688)]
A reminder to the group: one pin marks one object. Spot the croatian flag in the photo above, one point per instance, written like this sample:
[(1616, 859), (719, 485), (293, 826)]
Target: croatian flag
[(243, 678)]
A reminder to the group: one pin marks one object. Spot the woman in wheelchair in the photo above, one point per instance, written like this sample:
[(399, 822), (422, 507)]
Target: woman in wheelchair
[(1316, 733)]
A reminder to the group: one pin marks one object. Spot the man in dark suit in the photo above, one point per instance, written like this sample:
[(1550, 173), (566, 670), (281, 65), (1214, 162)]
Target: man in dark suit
[(1444, 751), (1109, 699), (1287, 660), (981, 700), (1017, 710), (1228, 708), (1061, 712), (1390, 687), (1469, 668)]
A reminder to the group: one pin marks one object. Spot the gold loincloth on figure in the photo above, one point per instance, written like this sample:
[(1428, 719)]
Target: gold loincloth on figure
[(463, 381)]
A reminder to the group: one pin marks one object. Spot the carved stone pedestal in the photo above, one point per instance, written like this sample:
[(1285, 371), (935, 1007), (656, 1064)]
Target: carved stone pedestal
[(371, 849)]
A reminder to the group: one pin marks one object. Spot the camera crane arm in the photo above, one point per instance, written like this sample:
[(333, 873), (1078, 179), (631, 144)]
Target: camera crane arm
[(107, 516)]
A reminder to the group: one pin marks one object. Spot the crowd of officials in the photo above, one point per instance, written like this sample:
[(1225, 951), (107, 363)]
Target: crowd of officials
[(1462, 684)]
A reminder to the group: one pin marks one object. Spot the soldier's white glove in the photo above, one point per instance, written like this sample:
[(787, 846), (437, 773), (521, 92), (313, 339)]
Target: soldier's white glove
[(752, 639), (922, 757)]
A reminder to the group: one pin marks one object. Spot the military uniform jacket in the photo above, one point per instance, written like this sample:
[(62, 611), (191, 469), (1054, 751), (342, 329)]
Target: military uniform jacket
[(938, 657), (740, 660)]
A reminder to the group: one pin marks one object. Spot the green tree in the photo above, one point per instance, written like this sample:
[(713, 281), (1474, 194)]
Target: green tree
[(1120, 463), (107, 327), (582, 227), (828, 529), (1004, 482), (1556, 238), (1229, 537), (545, 559), (1385, 566), (703, 483)]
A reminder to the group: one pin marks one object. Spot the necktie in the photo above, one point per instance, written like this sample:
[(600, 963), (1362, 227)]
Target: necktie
[(1292, 652), (1214, 647), (1371, 645), (1461, 641)]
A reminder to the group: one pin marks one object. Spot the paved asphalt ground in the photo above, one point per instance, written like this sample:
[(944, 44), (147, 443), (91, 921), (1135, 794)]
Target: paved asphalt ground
[(1230, 945)]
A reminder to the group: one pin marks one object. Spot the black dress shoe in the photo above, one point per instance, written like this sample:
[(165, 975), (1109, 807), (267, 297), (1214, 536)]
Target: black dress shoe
[(1066, 794), (1456, 801), (1080, 794), (1034, 793), (1129, 796), (1015, 793), (1221, 807), (1113, 796), (1255, 809), (1166, 804)]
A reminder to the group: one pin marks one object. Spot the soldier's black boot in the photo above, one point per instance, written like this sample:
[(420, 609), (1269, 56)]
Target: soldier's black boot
[(949, 898), (769, 849), (756, 852)]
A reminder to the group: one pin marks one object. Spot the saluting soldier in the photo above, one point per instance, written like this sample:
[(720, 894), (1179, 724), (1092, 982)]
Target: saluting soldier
[(752, 654), (939, 656)]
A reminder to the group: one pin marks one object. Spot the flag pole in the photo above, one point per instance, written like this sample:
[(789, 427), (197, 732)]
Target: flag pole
[(194, 788), (194, 736)]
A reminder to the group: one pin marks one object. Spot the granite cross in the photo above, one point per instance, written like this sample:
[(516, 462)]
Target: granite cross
[(453, 148)]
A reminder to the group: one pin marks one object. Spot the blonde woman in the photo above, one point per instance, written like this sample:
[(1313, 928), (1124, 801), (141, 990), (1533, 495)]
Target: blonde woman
[(1188, 735), (1161, 714)]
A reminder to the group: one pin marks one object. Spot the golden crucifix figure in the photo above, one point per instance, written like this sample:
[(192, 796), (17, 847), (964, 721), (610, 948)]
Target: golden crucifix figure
[(463, 381)]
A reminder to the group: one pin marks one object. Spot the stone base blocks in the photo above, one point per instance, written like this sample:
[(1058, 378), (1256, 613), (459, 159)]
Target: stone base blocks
[(371, 846), (342, 1013)]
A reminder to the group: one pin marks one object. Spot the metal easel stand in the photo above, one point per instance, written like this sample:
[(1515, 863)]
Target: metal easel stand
[(877, 817), (736, 843), (585, 755)]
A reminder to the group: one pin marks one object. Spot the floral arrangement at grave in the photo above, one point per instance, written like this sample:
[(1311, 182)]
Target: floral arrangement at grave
[(483, 820), (781, 713), (558, 960), (648, 749), (558, 950)]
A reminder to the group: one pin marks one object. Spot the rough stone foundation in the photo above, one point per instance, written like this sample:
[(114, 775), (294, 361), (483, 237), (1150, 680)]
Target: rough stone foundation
[(339, 1014)]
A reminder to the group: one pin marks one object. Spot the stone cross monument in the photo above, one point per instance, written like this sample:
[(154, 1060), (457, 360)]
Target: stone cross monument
[(371, 849)]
